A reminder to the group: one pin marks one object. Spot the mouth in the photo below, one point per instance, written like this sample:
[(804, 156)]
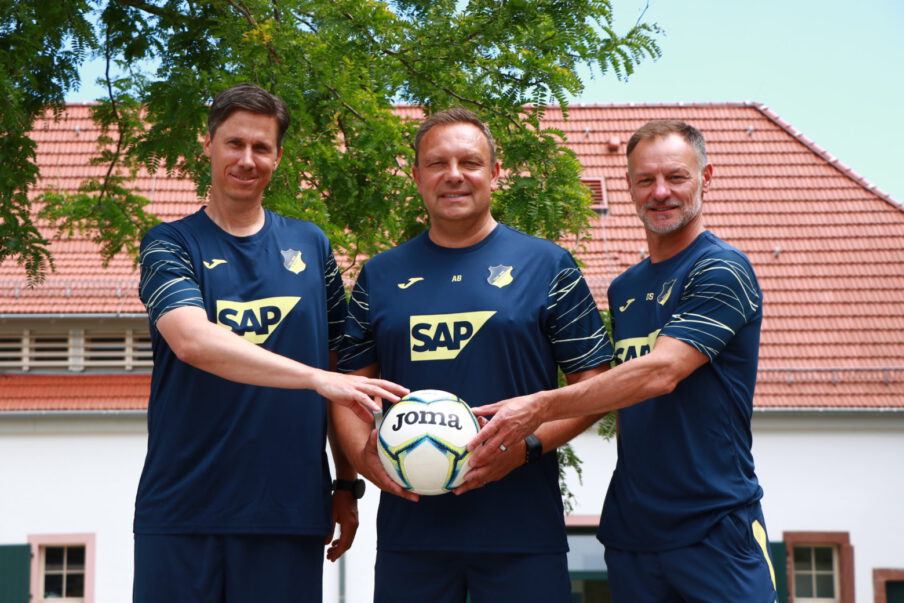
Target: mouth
[(243, 178), (452, 196), (661, 208)]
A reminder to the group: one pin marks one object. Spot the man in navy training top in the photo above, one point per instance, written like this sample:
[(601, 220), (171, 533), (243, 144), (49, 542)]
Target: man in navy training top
[(682, 518), (486, 312), (245, 308)]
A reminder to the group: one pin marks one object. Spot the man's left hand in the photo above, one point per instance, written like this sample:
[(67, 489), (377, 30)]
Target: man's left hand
[(497, 467), (345, 513), (514, 419)]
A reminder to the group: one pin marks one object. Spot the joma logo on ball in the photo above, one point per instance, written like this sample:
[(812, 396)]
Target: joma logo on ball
[(426, 417)]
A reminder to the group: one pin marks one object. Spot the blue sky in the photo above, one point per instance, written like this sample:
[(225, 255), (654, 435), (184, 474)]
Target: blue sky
[(832, 69)]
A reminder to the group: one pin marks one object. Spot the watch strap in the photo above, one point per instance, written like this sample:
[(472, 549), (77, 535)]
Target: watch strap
[(533, 449), (355, 486)]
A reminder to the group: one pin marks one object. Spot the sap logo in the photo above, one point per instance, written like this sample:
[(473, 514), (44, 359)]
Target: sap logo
[(427, 417), (254, 320), (626, 349), (444, 336)]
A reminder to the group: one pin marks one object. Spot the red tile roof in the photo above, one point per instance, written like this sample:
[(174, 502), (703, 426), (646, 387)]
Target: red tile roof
[(827, 246), (74, 392)]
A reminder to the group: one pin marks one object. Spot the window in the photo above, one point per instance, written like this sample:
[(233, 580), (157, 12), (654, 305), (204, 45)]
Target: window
[(75, 350), (64, 572), (888, 585), (599, 195), (815, 573), (586, 565), (820, 567), (62, 567)]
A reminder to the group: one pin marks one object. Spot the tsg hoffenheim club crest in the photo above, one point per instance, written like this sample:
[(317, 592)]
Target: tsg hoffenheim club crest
[(500, 276), (292, 260)]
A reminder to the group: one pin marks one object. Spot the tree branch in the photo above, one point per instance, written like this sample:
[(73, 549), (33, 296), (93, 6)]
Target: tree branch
[(153, 10)]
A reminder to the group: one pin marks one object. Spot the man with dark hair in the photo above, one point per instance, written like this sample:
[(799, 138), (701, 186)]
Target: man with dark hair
[(245, 309), (481, 310), (682, 518)]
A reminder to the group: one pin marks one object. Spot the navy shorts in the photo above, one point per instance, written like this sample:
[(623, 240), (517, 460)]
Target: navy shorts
[(448, 577), (220, 568), (732, 563)]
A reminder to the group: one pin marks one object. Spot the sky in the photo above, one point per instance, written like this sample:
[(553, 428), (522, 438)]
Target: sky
[(832, 69)]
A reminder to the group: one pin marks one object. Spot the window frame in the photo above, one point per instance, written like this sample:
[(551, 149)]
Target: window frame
[(841, 545), (40, 541), (881, 577)]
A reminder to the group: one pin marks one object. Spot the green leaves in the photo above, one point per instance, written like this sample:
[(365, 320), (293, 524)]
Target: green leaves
[(341, 66)]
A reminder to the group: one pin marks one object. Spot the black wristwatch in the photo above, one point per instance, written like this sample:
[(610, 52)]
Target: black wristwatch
[(533, 449), (355, 486)]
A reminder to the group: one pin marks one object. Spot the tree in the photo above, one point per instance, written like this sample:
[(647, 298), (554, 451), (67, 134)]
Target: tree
[(341, 66)]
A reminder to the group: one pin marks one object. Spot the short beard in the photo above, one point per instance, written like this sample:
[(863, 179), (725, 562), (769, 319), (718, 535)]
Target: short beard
[(688, 213)]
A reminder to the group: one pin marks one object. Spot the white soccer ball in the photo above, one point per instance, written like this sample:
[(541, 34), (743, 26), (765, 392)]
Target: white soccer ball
[(423, 441)]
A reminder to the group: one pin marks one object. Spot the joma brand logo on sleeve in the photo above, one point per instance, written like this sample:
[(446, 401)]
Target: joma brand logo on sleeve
[(444, 336), (254, 320)]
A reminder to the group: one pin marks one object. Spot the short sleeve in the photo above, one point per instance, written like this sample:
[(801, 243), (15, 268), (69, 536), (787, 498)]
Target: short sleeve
[(720, 296), (358, 347), (168, 279), (574, 326), (336, 306)]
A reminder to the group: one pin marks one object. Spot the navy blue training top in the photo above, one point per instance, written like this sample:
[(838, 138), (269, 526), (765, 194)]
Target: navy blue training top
[(486, 322), (684, 459), (224, 457)]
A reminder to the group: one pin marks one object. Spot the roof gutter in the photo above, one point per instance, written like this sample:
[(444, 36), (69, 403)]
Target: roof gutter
[(71, 315), (826, 410), (70, 414)]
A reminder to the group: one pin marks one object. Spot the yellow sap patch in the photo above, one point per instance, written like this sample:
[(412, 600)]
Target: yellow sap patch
[(443, 336), (633, 347), (254, 320)]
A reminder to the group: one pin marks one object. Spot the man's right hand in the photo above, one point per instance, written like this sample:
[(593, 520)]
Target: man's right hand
[(357, 393), (369, 465)]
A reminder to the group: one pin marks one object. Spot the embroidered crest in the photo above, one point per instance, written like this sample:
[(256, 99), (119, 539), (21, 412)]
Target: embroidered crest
[(292, 261), (666, 292), (500, 276)]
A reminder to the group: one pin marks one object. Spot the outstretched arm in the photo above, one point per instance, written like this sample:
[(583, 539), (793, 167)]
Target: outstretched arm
[(206, 346), (639, 379), (486, 467)]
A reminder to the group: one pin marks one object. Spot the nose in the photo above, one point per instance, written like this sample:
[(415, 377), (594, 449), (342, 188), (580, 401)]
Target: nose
[(245, 157), (453, 172), (660, 191)]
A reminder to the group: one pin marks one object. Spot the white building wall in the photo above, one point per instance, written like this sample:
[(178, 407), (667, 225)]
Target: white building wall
[(836, 472), (820, 472)]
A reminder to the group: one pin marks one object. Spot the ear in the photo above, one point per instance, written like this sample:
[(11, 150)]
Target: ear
[(278, 157), (207, 142), (415, 173), (628, 179), (707, 176), (494, 175)]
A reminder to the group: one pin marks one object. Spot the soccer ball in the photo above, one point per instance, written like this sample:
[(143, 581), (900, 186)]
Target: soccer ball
[(423, 441)]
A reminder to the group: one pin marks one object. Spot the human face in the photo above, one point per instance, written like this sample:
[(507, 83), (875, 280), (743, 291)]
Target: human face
[(243, 154), (667, 183), (455, 174)]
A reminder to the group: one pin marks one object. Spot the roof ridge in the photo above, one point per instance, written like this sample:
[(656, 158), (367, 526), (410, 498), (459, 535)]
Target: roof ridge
[(828, 157)]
